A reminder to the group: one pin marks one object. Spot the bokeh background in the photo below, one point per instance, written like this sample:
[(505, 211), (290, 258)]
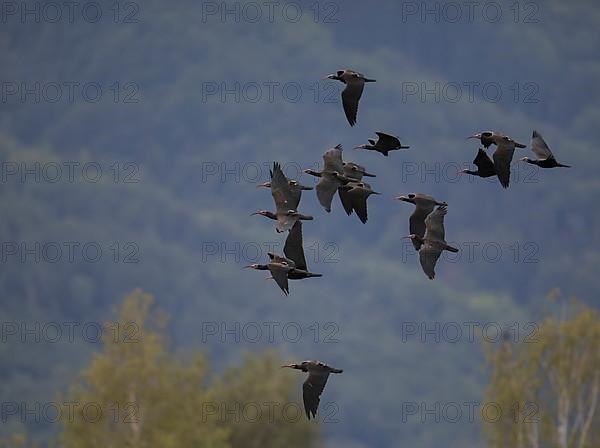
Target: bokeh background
[(182, 135)]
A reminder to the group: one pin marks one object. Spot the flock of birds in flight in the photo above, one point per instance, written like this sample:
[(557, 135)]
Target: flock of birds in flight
[(426, 224)]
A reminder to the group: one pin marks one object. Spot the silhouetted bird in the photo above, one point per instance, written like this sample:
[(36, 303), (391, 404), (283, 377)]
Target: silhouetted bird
[(488, 138), (541, 149), (331, 177), (434, 242), (354, 196), (355, 83), (318, 373), (384, 144), (424, 205), (485, 166)]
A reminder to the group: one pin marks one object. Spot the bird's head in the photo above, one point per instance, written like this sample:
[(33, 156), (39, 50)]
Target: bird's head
[(259, 267), (265, 213), (413, 237), (292, 366), (408, 198), (337, 76), (294, 184)]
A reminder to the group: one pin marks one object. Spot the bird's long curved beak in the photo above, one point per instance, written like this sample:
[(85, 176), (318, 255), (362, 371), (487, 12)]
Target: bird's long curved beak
[(369, 174), (288, 366), (247, 267), (473, 136), (264, 184), (255, 213), (376, 192), (401, 198), (357, 147), (328, 76)]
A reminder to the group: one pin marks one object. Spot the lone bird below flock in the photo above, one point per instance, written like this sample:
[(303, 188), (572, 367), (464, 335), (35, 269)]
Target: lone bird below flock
[(286, 195), (318, 373), (385, 143), (541, 149), (424, 205), (355, 83), (434, 243)]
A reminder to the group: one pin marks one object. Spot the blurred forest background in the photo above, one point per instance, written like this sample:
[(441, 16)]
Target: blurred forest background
[(155, 124)]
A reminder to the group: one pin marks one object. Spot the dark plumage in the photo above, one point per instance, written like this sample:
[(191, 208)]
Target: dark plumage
[(354, 196), (384, 144), (355, 83), (485, 166), (540, 148), (318, 373)]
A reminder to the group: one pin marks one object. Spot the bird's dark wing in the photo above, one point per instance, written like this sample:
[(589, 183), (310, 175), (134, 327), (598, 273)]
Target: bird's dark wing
[(483, 161), (312, 390), (434, 224), (333, 160), (359, 197), (428, 256), (350, 96), (346, 200), (503, 156), (387, 140), (416, 225), (326, 189), (539, 146), (279, 274), (280, 189), (293, 246)]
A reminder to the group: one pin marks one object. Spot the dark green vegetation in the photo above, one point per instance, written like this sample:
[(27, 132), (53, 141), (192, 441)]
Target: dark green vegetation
[(174, 136)]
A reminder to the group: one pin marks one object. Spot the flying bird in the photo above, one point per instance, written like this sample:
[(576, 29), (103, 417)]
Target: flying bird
[(295, 253), (354, 196), (355, 83), (485, 166), (286, 201), (541, 149), (503, 156), (279, 267), (331, 177), (487, 138), (293, 193), (434, 242), (318, 373), (424, 205), (384, 144)]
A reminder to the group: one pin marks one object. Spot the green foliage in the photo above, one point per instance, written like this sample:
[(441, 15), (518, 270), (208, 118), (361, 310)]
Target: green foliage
[(148, 396), (549, 389)]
